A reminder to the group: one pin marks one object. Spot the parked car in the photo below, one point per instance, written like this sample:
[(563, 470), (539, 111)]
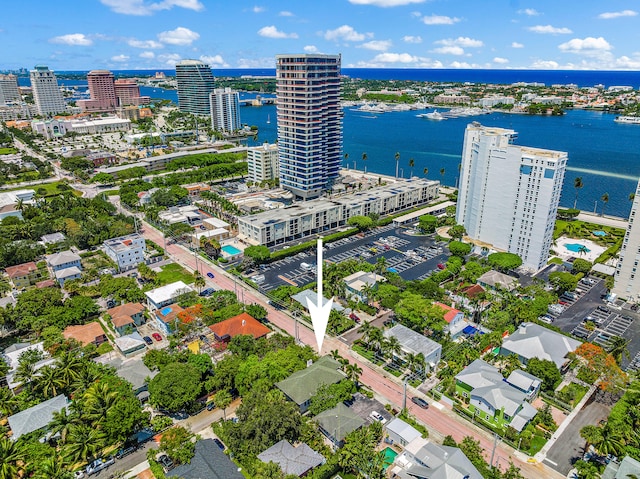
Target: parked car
[(441, 266), (166, 462), (354, 317), (111, 303), (211, 406), (78, 474), (604, 309), (376, 416), (157, 336), (563, 303), (420, 402), (125, 452), (207, 292), (98, 465), (219, 444), (210, 275), (148, 340)]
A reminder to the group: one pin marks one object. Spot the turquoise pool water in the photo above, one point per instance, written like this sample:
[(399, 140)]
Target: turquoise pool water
[(575, 247), (231, 250), (389, 456), (599, 233)]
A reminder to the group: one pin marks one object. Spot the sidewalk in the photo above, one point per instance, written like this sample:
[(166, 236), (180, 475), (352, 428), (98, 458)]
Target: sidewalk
[(612, 221)]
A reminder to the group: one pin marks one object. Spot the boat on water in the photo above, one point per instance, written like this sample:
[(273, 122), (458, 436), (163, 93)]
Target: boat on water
[(632, 120), (434, 115), (268, 119)]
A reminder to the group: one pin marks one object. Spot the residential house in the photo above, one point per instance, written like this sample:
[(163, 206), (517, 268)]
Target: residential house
[(239, 325), (130, 344), (36, 417), (454, 319), (167, 317), (303, 296), (52, 240), (531, 340), (422, 459), (625, 469), (209, 462), (135, 372), (495, 280), (218, 234), (126, 251), (399, 432), (214, 223), (360, 284), (65, 265), (12, 354), (303, 384), (189, 214), (491, 398), (23, 275), (166, 295), (338, 422), (46, 283), (126, 316), (296, 461), (90, 333), (67, 274), (415, 343), (525, 382)]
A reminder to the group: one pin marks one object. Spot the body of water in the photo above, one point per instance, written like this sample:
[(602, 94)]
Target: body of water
[(602, 152)]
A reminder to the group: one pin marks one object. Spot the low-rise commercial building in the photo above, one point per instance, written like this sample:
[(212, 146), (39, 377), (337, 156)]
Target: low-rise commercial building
[(416, 343), (126, 251), (166, 295)]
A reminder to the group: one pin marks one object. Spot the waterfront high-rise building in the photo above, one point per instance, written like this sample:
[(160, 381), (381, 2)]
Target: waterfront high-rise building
[(128, 93), (102, 92), (9, 90), (46, 92), (508, 196), (262, 162), (309, 122), (195, 83), (627, 277), (225, 111)]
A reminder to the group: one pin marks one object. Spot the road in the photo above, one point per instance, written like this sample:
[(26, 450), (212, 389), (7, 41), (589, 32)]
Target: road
[(442, 422)]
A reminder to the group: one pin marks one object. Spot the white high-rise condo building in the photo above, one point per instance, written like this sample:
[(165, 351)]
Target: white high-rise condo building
[(9, 90), (46, 92), (262, 162), (225, 111), (509, 195), (195, 83), (309, 122), (627, 279)]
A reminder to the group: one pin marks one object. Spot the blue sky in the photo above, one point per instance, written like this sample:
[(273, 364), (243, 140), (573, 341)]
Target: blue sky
[(154, 34)]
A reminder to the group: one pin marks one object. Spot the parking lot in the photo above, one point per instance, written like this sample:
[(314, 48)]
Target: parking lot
[(412, 257)]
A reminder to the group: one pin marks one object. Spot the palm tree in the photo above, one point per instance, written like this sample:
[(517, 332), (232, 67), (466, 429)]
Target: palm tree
[(376, 338), (381, 264), (70, 367), (223, 400), (25, 372), (353, 372), (52, 467), (397, 157), (618, 348), (61, 422), (335, 354), (346, 159), (199, 281), (49, 381), (11, 457), (98, 399), (364, 162), (83, 442), (577, 184), (412, 163), (442, 173), (591, 434), (582, 250), (420, 364), (393, 348), (610, 442), (605, 200), (8, 402), (366, 329), (425, 171)]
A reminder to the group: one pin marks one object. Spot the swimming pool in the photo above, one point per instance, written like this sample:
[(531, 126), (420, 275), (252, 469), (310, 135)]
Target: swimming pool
[(576, 247), (599, 233), (389, 456), (231, 250)]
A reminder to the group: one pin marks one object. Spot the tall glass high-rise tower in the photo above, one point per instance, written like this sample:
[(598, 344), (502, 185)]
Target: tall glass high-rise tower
[(195, 83), (46, 92), (309, 122)]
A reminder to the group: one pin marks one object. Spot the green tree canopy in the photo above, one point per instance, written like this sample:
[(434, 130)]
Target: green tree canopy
[(504, 261), (427, 223), (545, 370), (361, 222), (581, 266), (458, 248), (259, 254), (457, 232), (563, 281), (175, 387)]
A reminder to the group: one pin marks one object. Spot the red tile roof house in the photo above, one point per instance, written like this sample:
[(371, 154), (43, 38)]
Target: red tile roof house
[(90, 333), (238, 325), (126, 317), (23, 275), (454, 319)]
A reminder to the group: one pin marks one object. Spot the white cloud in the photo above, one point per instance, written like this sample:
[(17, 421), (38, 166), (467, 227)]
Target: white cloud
[(148, 55), (531, 12), (310, 49), (140, 7), (464, 65), (500, 60), (120, 58), (378, 45), (346, 33), (396, 58), (266, 62), (517, 45), (169, 59), (144, 43), (439, 20), (623, 13), (286, 13), (461, 42), (215, 60), (272, 32), (626, 63), (548, 29), (412, 39), (450, 50), (385, 3), (545, 65), (590, 46), (257, 9), (73, 39), (180, 36)]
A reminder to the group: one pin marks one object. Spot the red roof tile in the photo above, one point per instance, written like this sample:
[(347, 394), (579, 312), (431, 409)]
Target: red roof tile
[(450, 313), (473, 291), (21, 270), (241, 324), (85, 333)]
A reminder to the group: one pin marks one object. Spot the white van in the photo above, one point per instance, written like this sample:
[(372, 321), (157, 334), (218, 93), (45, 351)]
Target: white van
[(306, 266)]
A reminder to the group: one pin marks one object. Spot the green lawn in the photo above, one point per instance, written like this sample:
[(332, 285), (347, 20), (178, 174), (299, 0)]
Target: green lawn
[(8, 151), (174, 272), (51, 189)]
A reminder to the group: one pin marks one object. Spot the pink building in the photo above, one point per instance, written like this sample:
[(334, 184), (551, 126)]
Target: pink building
[(102, 91), (128, 93)]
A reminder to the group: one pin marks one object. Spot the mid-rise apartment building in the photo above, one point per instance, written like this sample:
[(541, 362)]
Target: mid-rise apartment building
[(263, 162), (627, 279), (126, 251), (46, 92), (225, 111), (509, 195), (195, 84), (9, 90), (309, 122)]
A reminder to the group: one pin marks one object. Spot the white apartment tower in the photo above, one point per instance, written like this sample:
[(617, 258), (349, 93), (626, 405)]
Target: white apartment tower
[(46, 92), (9, 92), (195, 84), (627, 279), (509, 195), (309, 122), (263, 162), (225, 110)]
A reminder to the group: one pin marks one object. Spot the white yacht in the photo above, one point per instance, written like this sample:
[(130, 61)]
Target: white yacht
[(634, 120)]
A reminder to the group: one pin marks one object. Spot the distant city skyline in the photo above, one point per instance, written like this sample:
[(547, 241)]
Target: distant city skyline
[(156, 34)]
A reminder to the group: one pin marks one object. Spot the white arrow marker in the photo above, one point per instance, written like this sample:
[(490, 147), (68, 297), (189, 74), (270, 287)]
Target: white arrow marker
[(319, 312)]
